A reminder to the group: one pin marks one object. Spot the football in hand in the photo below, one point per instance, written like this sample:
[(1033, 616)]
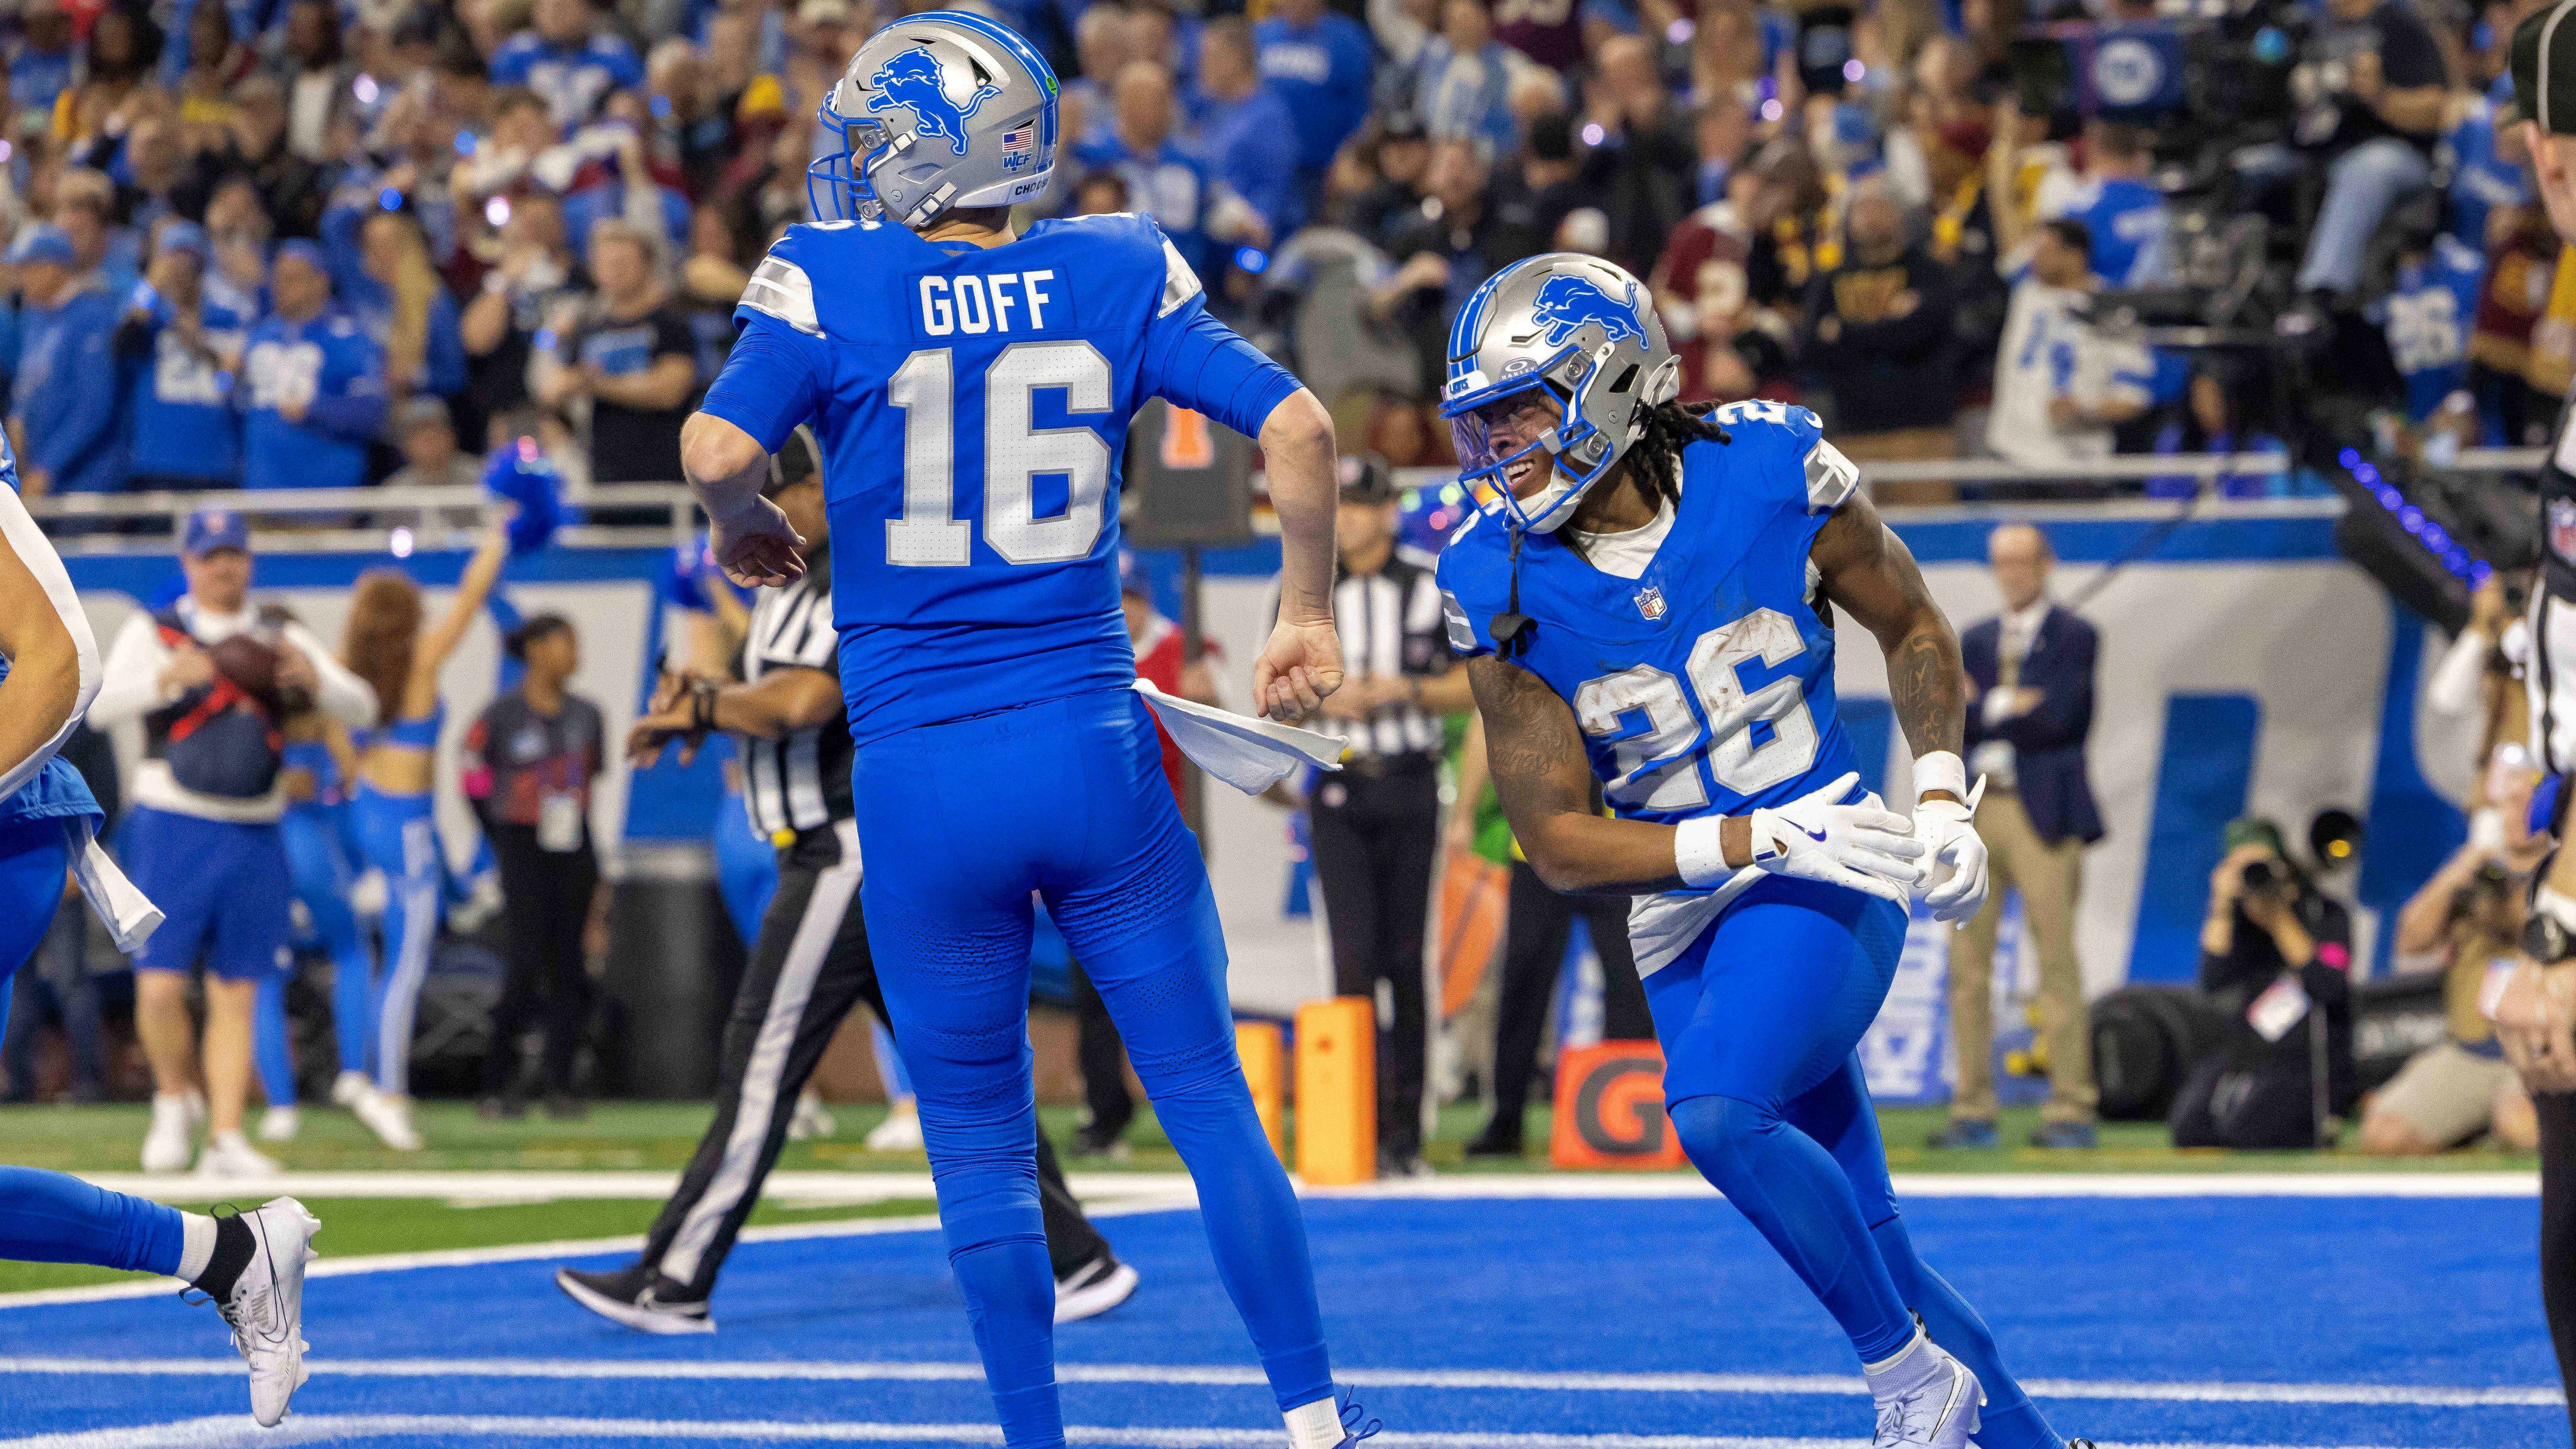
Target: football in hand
[(251, 664)]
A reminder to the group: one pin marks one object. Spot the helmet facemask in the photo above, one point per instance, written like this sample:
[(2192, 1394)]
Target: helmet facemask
[(1583, 452)]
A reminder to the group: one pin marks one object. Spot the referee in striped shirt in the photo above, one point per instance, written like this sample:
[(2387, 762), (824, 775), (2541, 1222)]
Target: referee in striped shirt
[(810, 965), (1377, 823)]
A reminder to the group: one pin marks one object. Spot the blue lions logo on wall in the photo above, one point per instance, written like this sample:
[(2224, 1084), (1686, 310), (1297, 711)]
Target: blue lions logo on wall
[(912, 80), (1565, 303)]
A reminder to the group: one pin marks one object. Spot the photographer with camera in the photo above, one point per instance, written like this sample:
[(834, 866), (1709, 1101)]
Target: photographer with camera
[(2468, 918), (2273, 949), (2378, 90)]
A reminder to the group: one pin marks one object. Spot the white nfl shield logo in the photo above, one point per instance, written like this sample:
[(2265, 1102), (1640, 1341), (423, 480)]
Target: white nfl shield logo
[(2562, 528), (1650, 602)]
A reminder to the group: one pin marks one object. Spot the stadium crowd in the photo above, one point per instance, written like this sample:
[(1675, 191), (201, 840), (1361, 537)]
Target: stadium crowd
[(283, 243)]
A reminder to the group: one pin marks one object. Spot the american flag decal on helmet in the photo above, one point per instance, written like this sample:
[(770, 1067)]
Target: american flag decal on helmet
[(1019, 147)]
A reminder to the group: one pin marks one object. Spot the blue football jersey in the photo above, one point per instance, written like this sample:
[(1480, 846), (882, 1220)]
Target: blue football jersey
[(1705, 686), (2427, 315), (972, 405)]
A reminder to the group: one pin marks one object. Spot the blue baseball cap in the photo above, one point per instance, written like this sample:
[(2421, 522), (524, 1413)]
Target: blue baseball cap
[(184, 236), (1132, 578), (213, 528), (43, 242)]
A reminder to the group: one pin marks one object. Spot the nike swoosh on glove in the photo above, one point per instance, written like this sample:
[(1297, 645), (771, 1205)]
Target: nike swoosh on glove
[(1864, 847), (1945, 830)]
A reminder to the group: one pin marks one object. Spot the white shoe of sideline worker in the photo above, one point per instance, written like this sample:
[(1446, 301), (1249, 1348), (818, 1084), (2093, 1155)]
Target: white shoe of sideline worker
[(280, 1124), (230, 1155), (390, 1119), (348, 1087), (900, 1131), (172, 1140), (811, 1119)]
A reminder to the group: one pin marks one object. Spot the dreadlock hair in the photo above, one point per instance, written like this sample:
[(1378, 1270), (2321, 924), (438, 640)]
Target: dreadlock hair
[(1656, 456)]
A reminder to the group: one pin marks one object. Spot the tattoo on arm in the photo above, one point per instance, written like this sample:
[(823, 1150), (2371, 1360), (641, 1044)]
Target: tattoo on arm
[(1868, 570), (1533, 748)]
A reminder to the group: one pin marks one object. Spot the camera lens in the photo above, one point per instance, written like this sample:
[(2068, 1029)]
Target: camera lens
[(2261, 874)]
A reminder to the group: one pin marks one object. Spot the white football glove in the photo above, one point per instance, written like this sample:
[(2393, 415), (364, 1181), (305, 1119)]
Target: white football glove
[(1865, 847), (1948, 833)]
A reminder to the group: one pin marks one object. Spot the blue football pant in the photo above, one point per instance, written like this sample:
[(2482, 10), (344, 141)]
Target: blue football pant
[(51, 1217), (1759, 1019), (1065, 799)]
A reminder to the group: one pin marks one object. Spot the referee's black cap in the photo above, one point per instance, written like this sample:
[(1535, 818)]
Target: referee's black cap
[(2543, 61)]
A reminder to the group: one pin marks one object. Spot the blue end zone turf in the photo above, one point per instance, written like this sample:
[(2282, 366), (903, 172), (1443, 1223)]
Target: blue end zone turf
[(2313, 1321)]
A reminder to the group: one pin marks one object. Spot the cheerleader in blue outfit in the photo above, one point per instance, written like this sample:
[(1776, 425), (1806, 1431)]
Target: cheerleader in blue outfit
[(250, 1264), (394, 803), (320, 759)]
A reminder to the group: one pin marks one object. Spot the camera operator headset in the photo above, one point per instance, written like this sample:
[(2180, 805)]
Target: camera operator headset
[(2535, 1002)]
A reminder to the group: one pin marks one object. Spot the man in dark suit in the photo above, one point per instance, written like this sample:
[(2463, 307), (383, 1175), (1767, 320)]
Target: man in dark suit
[(2032, 708)]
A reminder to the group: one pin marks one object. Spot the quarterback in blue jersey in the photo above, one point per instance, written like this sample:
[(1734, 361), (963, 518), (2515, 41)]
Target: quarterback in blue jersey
[(1647, 611), (971, 390), (250, 1264)]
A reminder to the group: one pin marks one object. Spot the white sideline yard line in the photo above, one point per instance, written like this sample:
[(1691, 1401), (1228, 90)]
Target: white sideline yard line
[(506, 1186), (224, 1433), (1223, 1375)]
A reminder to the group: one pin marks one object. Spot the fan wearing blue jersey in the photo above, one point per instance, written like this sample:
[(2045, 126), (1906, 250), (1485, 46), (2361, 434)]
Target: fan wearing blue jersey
[(971, 390), (250, 1264), (1649, 606)]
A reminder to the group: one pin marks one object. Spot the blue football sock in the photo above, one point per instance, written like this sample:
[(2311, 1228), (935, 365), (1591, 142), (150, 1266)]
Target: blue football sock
[(1789, 1187), (2011, 1420), (53, 1217), (986, 1174)]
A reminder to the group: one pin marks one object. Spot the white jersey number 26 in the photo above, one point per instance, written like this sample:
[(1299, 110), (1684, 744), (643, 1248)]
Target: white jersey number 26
[(1658, 764), (1016, 451)]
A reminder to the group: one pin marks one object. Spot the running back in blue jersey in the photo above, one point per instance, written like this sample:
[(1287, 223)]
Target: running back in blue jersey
[(1706, 686), (972, 405)]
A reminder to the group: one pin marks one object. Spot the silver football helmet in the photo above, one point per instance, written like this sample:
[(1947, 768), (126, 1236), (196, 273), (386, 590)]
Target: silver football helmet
[(1584, 330), (940, 111)]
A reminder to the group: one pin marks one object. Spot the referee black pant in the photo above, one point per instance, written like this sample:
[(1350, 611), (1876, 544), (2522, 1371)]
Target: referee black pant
[(2557, 1113), (1376, 833), (809, 967), (1534, 939)]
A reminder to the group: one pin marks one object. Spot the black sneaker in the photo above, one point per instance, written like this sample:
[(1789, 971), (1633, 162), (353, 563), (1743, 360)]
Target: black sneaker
[(1094, 1288), (1396, 1162), (1490, 1143), (637, 1297), (1089, 1142)]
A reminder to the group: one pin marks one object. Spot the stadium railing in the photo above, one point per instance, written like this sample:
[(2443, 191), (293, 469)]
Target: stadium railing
[(420, 519)]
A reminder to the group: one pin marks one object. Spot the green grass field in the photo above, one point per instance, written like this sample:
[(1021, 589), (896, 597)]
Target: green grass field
[(660, 1135)]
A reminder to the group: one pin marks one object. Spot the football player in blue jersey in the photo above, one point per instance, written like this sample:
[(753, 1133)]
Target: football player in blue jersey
[(1649, 605), (971, 389), (250, 1264)]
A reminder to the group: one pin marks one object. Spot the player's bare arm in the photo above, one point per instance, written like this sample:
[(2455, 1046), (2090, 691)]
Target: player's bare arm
[(726, 468), (1867, 570), (1302, 663), (48, 655), (774, 706), (1535, 751)]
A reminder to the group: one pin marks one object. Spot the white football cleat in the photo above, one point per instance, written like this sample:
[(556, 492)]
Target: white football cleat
[(230, 1155), (390, 1119), (280, 1124), (266, 1307), (172, 1140), (1938, 1412), (900, 1132), (348, 1087)]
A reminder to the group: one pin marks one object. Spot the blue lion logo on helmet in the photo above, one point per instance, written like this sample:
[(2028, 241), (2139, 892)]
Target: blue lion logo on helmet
[(912, 80), (1564, 303)]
